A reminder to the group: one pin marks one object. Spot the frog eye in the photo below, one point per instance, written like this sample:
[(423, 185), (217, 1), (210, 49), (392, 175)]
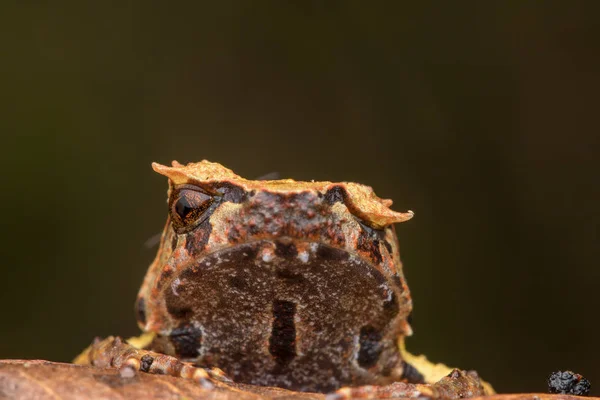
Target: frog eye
[(188, 206)]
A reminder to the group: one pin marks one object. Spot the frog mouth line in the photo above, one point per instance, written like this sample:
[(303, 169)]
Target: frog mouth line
[(287, 247)]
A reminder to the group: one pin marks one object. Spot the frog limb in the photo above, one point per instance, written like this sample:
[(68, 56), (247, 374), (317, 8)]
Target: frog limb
[(456, 385), (432, 372), (114, 352)]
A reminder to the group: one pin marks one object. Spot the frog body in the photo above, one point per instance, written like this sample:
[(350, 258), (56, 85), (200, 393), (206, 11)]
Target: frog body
[(281, 283)]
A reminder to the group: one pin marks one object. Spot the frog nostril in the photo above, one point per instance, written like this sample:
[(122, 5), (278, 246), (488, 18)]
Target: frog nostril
[(370, 346), (282, 343)]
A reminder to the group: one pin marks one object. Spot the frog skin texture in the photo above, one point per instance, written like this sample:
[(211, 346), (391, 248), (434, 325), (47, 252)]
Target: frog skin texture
[(297, 285)]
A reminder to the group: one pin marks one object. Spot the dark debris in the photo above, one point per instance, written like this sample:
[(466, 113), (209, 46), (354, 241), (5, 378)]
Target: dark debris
[(568, 382)]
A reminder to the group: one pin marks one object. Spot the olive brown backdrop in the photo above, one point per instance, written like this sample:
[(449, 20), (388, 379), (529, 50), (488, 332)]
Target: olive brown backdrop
[(482, 117)]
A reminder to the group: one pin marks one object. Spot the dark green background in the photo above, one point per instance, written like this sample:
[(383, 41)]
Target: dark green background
[(482, 117)]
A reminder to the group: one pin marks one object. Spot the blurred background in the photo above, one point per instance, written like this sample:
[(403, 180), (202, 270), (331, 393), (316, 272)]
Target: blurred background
[(482, 117)]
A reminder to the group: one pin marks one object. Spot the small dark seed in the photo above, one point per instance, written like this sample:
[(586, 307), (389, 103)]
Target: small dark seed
[(568, 382)]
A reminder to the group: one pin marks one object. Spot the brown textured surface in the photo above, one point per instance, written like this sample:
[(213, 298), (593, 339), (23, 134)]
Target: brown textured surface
[(37, 379), (20, 379)]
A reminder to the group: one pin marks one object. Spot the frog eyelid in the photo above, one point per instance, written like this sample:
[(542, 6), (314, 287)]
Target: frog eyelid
[(197, 188)]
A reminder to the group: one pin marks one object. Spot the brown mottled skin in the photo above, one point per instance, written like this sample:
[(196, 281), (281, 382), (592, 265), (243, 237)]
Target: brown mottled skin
[(281, 283)]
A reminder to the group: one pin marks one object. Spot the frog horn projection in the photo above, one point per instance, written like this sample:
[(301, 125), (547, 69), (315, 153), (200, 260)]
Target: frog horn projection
[(283, 283), (360, 197)]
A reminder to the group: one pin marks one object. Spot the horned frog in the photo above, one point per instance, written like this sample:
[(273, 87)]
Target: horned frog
[(297, 285)]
